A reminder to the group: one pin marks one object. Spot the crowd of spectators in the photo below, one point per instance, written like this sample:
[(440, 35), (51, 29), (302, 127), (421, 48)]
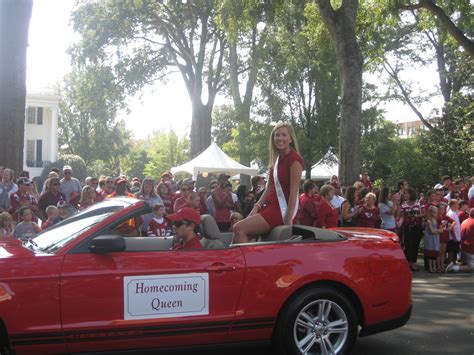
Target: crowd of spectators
[(442, 217)]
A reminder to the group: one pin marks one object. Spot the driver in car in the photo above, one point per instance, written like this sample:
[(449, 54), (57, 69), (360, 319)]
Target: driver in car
[(184, 228)]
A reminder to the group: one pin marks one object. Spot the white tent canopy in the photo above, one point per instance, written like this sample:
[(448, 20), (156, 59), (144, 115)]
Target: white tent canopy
[(213, 160), (324, 168)]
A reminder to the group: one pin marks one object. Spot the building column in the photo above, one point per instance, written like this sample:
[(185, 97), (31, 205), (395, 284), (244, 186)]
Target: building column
[(54, 135)]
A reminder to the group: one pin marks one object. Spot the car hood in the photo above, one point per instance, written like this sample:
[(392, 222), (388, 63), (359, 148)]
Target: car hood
[(12, 247)]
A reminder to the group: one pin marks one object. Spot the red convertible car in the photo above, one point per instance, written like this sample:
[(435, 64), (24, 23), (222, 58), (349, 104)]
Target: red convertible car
[(86, 286)]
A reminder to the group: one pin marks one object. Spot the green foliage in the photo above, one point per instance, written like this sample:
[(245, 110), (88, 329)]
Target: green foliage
[(134, 162), (300, 80), (87, 124), (223, 122), (99, 167), (451, 145), (166, 151)]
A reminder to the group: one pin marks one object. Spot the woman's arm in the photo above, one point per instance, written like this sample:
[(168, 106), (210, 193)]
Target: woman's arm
[(432, 229), (295, 177), (261, 201)]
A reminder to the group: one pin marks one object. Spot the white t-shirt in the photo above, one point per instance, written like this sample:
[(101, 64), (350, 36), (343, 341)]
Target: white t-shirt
[(337, 201), (388, 220), (456, 233)]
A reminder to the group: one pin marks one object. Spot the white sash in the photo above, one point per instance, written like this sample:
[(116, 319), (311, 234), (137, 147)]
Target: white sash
[(281, 196)]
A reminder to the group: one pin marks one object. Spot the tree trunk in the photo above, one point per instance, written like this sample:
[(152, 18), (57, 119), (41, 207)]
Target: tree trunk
[(200, 127), (341, 26), (14, 19)]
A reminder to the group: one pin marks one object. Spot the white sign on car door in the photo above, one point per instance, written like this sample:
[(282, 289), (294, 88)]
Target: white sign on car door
[(163, 296)]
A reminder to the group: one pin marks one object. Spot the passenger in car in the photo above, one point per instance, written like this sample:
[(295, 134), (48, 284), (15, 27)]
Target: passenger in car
[(184, 225)]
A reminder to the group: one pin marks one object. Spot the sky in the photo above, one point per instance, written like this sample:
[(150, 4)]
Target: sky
[(160, 107)]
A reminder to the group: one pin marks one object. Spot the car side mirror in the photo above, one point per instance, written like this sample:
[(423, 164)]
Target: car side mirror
[(108, 243)]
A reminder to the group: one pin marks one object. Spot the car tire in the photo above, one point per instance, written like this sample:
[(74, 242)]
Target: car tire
[(320, 320)]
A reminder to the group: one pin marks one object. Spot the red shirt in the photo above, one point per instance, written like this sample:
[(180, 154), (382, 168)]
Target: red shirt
[(367, 183), (467, 235), (192, 244), (179, 203), (326, 215), (369, 218), (157, 228), (222, 213), (18, 200), (284, 166), (307, 212), (409, 212)]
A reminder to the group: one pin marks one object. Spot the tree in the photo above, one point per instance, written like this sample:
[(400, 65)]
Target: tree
[(14, 21), (341, 23), (224, 120), (87, 124), (457, 31), (166, 151), (134, 162), (77, 164), (299, 80), (144, 41)]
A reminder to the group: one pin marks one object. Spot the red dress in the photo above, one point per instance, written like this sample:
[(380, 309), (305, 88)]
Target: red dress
[(271, 211)]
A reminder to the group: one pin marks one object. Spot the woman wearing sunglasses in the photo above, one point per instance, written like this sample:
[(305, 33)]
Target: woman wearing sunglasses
[(50, 196)]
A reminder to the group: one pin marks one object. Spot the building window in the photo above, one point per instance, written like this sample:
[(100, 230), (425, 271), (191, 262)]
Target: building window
[(39, 152), (30, 151), (31, 115), (34, 115)]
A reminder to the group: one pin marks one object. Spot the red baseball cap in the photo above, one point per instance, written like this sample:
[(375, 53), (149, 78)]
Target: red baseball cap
[(185, 214)]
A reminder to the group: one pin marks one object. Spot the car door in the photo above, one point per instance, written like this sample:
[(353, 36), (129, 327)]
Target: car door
[(149, 299)]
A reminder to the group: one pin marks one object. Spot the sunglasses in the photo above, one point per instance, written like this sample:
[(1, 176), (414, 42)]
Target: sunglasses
[(67, 172), (178, 224)]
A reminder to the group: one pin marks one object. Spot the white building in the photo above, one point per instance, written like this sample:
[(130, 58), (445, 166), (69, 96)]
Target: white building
[(41, 130)]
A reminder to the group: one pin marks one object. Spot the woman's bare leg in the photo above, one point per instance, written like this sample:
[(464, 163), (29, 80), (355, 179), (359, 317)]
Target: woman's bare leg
[(250, 227)]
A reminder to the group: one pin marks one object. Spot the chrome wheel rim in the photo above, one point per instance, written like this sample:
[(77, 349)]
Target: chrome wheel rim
[(321, 327)]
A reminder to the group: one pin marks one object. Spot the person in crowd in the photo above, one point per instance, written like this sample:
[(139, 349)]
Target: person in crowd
[(63, 211), (245, 203), (223, 203), (189, 183), (166, 196), (337, 200), (203, 200), (432, 232), (50, 196), (362, 193), (258, 186), (358, 186), (147, 192), (211, 208), (22, 198), (167, 179), (411, 221), (120, 188), (446, 182), (440, 194), (467, 246), (307, 211), (365, 179), (33, 191), (399, 195), (94, 183), (470, 193), (185, 223), (71, 188), (2, 168), (388, 207), (349, 208), (463, 211), (51, 174), (455, 233), (52, 212), (26, 229), (7, 188), (88, 197), (447, 225), (278, 204), (194, 201), (234, 218), (464, 189), (368, 215), (6, 224), (235, 199), (183, 200), (158, 225), (108, 188), (334, 180), (326, 215), (136, 185)]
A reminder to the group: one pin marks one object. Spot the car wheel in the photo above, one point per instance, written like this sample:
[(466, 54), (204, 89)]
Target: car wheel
[(318, 321)]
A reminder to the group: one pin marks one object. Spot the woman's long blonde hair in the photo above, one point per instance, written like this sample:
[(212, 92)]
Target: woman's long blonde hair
[(273, 151)]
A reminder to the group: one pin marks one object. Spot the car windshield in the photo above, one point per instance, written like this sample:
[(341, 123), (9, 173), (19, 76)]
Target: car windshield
[(53, 239)]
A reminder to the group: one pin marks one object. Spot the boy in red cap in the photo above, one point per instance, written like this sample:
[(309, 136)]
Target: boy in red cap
[(184, 223)]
